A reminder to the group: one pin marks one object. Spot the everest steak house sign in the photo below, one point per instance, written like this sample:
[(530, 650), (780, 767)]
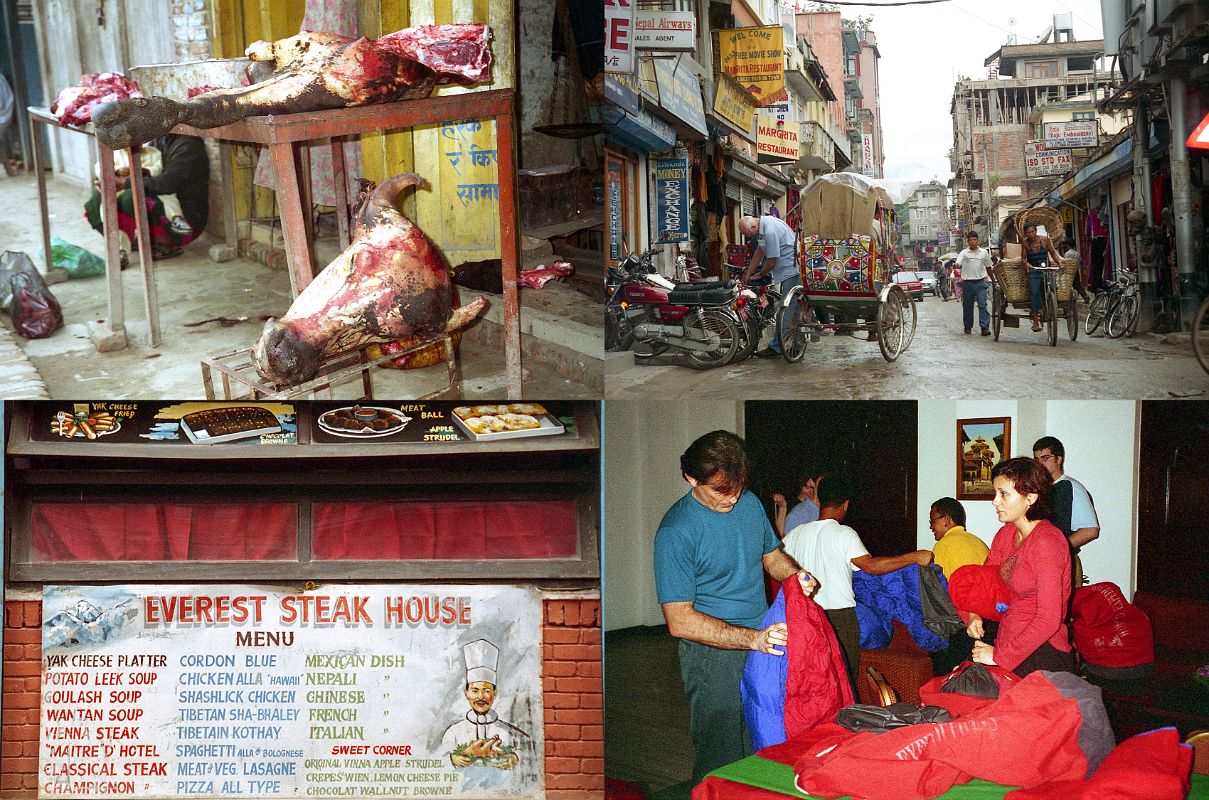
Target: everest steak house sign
[(248, 691)]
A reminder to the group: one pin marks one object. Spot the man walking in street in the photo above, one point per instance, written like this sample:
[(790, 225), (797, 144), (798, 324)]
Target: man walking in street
[(710, 550), (1073, 511), (974, 263), (832, 551), (776, 250)]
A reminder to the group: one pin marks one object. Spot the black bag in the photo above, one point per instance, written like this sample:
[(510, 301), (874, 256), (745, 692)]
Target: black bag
[(975, 680), (36, 313), (939, 613), (878, 719)]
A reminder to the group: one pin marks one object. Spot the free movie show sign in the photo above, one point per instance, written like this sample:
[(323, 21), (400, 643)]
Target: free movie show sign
[(248, 691)]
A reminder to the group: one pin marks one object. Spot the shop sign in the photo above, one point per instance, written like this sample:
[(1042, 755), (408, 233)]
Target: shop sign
[(616, 234), (246, 691), (619, 36), (755, 57), (734, 104), (186, 423), (680, 93), (942, 238), (1080, 133), (344, 423), (776, 140), (671, 205), (1039, 162), (621, 89), (868, 168), (665, 30)]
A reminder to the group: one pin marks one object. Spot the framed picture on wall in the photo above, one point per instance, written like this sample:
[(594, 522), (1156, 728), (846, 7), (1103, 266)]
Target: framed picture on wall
[(981, 444)]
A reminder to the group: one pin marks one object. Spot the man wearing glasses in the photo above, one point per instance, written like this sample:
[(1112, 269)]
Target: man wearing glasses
[(955, 546)]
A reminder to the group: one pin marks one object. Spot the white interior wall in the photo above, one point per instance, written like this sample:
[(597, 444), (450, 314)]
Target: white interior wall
[(643, 444), (1100, 438)]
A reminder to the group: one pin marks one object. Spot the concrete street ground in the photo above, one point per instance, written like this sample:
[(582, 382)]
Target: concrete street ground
[(941, 363), (192, 288)]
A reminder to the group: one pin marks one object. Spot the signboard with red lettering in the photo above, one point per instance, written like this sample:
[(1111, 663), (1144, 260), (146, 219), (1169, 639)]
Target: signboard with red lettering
[(755, 58), (251, 691), (1039, 162), (869, 168), (619, 36), (776, 140)]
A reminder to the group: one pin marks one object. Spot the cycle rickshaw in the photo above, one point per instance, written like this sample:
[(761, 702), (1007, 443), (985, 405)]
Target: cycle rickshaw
[(846, 246), (1010, 287)]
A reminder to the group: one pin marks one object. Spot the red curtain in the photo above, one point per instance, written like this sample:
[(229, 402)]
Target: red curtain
[(163, 532), (446, 530)]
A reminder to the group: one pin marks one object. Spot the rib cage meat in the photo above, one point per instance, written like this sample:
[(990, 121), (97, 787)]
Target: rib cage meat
[(313, 72)]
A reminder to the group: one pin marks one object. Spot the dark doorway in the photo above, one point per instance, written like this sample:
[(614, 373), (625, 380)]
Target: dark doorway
[(874, 442), (1173, 482)]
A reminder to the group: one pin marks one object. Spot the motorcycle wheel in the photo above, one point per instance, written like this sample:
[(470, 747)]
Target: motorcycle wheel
[(749, 338), (717, 322), (618, 335)]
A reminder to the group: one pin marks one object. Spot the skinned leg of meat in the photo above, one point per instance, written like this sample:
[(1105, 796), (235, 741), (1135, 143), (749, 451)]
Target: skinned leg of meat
[(391, 283), (318, 76)]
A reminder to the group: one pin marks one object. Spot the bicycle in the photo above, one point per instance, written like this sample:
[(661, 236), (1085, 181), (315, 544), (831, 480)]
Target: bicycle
[(1119, 301), (1200, 335)]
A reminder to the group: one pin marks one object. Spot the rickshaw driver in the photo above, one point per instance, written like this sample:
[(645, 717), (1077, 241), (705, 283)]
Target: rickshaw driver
[(1036, 248), (776, 252)]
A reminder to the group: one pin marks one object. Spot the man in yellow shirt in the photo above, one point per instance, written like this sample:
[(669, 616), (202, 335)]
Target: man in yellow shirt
[(955, 546)]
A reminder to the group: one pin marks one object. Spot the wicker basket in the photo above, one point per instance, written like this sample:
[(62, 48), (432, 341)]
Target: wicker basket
[(1066, 278), (1012, 277), (1048, 217)]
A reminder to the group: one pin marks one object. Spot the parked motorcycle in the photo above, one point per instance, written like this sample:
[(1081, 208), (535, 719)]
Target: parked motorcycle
[(650, 314), (756, 307)]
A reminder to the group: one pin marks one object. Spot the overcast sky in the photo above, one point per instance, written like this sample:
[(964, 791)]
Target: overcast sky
[(923, 50)]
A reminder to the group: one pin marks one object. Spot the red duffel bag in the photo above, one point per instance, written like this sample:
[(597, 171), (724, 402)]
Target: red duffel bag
[(1108, 631), (979, 589)]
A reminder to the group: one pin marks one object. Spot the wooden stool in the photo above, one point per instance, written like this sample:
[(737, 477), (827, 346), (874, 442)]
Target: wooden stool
[(237, 367)]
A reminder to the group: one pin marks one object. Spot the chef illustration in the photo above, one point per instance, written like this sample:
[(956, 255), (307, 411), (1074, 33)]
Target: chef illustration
[(481, 737)]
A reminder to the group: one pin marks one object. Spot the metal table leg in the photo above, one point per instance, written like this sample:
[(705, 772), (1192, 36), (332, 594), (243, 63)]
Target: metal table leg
[(43, 205), (113, 260)]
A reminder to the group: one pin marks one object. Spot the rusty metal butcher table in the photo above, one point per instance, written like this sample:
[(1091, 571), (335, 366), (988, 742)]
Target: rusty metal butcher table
[(282, 134)]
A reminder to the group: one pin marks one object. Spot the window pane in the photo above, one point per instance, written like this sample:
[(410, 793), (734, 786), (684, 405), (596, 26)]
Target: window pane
[(446, 530), (164, 532)]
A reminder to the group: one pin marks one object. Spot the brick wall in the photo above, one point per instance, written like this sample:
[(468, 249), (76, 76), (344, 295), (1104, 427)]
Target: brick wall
[(19, 723), (573, 693), (190, 30)]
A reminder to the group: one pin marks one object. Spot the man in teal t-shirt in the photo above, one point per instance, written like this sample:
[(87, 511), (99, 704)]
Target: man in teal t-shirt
[(710, 553)]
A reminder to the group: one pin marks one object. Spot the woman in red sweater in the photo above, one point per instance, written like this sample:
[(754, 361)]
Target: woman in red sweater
[(1033, 558)]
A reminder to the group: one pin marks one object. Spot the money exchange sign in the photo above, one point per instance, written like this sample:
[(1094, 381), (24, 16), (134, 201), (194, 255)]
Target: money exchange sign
[(247, 691), (671, 191)]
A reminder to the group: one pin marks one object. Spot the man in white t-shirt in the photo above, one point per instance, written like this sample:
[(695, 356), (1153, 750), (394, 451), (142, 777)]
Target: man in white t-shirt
[(831, 551), (975, 262)]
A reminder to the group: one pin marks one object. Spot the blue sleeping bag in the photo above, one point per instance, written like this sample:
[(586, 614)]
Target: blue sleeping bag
[(883, 599), (763, 687)]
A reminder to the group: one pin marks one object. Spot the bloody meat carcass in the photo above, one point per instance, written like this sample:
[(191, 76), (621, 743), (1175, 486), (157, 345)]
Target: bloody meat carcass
[(313, 72), (391, 283)]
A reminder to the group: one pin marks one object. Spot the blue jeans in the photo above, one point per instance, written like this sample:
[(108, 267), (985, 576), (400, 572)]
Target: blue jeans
[(787, 285), (1036, 280), (975, 291)]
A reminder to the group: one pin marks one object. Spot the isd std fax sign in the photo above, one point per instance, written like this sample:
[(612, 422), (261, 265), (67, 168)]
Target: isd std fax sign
[(671, 206)]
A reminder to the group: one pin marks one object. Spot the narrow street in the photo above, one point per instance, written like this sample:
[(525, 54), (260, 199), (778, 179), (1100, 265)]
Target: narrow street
[(940, 363)]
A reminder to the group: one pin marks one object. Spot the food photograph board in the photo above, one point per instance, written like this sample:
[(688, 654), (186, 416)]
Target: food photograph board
[(185, 423), (383, 422)]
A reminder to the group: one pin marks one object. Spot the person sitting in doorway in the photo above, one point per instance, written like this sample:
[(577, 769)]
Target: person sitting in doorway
[(185, 176)]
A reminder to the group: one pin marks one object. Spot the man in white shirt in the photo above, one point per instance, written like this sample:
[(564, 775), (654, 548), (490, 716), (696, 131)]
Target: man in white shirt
[(831, 551), (975, 262), (775, 252)]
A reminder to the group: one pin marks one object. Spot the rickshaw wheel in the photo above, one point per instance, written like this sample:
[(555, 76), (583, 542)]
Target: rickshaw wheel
[(1072, 317), (1051, 318), (892, 336), (998, 309), (793, 337)]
